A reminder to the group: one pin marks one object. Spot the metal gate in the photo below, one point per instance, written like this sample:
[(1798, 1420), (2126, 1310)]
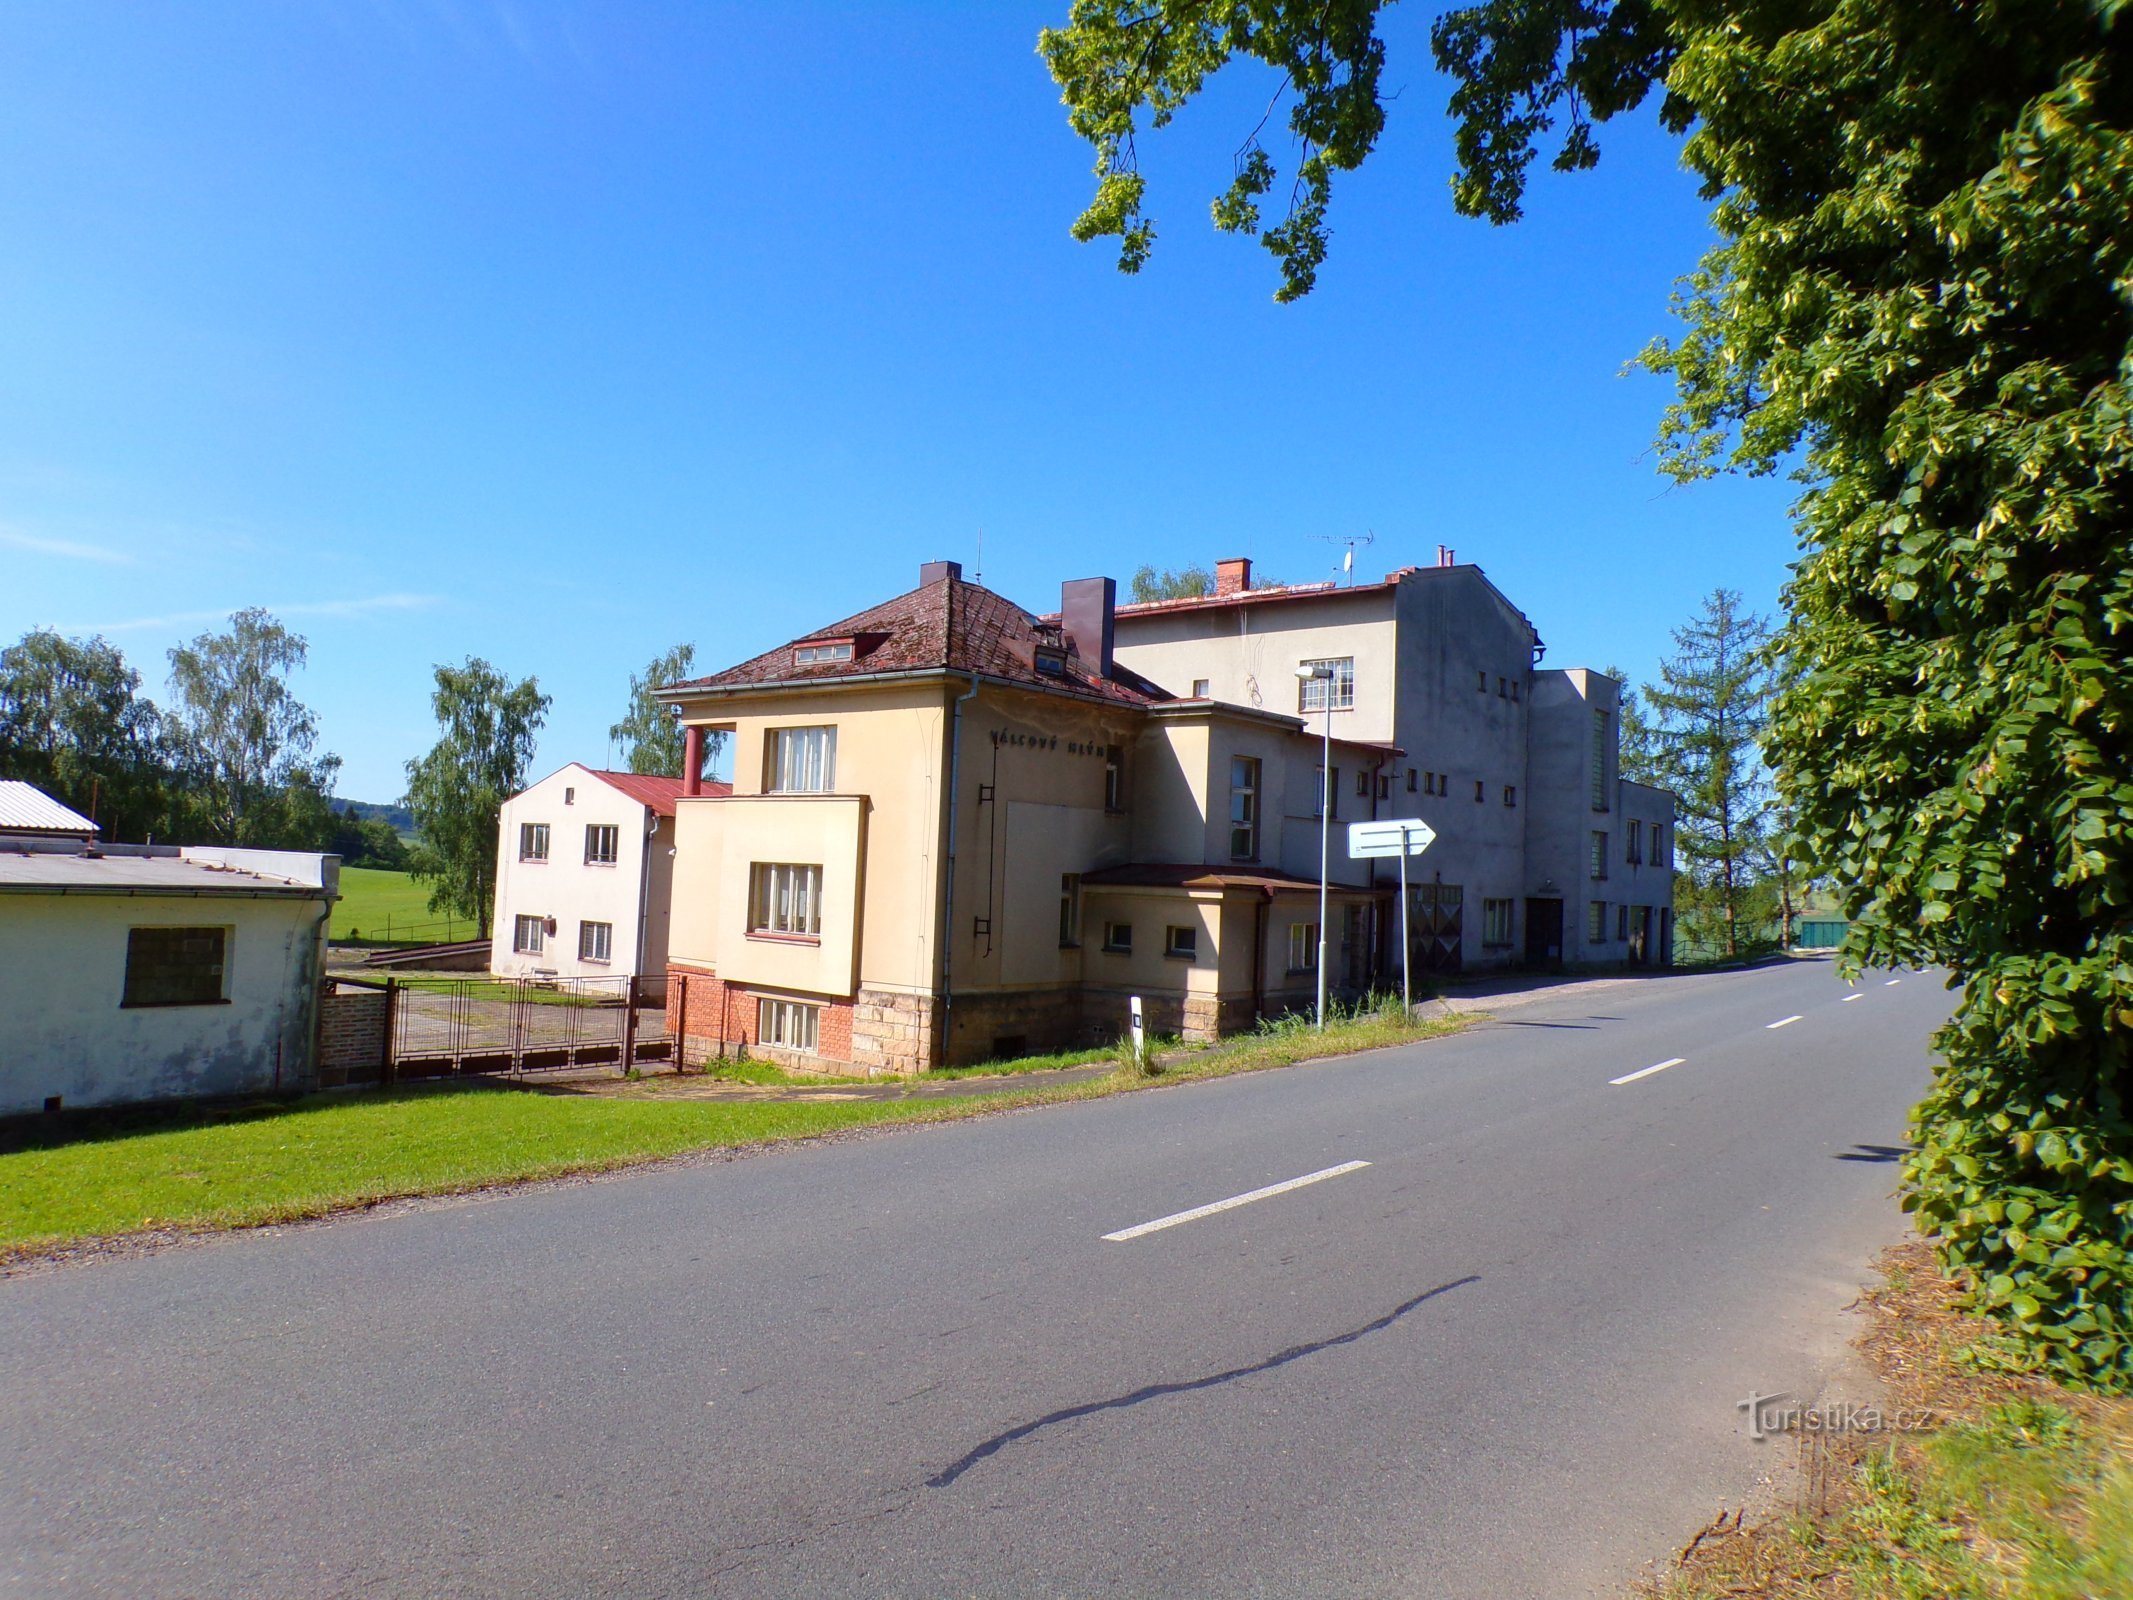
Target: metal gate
[(443, 1026)]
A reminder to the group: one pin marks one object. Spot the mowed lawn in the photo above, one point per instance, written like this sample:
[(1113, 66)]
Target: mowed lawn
[(369, 895), (276, 1161)]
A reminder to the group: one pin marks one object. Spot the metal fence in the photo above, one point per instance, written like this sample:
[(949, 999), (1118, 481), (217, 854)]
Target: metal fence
[(515, 1026)]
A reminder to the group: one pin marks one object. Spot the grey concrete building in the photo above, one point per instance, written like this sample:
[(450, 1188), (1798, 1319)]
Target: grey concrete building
[(1543, 853)]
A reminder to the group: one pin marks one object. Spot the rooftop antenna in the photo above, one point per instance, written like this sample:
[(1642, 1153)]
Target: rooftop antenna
[(979, 575), (1351, 540)]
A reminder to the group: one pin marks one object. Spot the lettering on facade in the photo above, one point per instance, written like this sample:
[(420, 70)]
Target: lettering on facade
[(1046, 741)]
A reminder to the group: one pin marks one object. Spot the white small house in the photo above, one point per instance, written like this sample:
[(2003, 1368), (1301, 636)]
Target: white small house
[(149, 972), (585, 875)]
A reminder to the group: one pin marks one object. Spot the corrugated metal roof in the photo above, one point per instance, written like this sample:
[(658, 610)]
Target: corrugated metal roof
[(25, 808), (46, 870)]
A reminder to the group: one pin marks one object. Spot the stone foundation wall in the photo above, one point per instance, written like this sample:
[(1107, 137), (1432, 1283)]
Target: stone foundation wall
[(894, 1032), (986, 1026)]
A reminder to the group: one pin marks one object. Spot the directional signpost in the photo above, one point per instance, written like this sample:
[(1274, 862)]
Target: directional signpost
[(1394, 836)]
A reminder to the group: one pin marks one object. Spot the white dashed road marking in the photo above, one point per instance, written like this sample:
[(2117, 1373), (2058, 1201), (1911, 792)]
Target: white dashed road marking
[(1782, 1022), (1197, 1212), (1647, 1072), (1848, 999)]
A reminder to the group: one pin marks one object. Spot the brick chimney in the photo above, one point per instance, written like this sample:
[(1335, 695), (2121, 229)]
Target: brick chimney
[(1087, 616), (934, 571), (1233, 576)]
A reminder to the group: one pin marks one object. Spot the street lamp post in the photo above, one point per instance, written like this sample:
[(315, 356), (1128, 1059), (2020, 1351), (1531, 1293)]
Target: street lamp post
[(1322, 672)]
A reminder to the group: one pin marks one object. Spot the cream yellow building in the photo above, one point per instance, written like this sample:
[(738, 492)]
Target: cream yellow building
[(957, 831)]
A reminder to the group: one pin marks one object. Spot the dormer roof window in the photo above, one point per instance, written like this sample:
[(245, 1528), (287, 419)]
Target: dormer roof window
[(1050, 659), (817, 652)]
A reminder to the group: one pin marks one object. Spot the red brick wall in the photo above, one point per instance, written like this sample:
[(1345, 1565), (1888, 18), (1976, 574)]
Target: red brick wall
[(351, 1037), (704, 1012)]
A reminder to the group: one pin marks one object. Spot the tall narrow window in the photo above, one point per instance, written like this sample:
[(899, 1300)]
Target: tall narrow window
[(1243, 808), (1114, 778), (603, 843), (533, 841), (1599, 855), (1338, 690), (785, 898), (1496, 924), (1596, 928), (528, 935), (802, 761), (1633, 851), (1326, 785), (1303, 947), (1601, 743), (1069, 910)]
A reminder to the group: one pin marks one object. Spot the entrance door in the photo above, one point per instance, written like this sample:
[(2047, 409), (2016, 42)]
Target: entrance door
[(1544, 932), (1640, 935), (1439, 921)]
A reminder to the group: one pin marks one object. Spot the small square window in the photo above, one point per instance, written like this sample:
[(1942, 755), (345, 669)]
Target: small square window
[(1118, 938), (533, 841), (1199, 688), (1181, 943)]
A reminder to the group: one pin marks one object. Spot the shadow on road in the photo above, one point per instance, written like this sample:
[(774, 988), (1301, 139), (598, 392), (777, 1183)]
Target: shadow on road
[(1874, 1152), (1155, 1391)]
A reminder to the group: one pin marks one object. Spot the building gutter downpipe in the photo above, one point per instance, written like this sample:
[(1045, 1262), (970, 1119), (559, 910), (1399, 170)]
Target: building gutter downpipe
[(955, 774)]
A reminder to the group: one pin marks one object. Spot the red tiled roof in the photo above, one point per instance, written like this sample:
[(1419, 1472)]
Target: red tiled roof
[(656, 794), (948, 625)]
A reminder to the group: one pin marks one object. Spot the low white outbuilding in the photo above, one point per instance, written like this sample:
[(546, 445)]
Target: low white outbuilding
[(153, 972), (585, 875)]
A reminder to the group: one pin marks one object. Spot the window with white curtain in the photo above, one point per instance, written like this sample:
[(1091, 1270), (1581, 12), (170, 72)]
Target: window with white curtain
[(785, 898), (802, 761)]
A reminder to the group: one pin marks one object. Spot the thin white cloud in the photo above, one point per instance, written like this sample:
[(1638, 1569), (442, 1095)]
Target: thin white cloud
[(66, 548), (365, 606)]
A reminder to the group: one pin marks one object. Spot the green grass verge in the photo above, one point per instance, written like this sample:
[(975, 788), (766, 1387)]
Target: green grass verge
[(377, 906), (2016, 1489), (276, 1161), (92, 1175)]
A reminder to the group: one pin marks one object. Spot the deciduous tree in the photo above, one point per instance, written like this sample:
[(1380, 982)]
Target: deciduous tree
[(651, 738), (486, 730), (248, 746), (73, 722), (1187, 583), (1919, 298)]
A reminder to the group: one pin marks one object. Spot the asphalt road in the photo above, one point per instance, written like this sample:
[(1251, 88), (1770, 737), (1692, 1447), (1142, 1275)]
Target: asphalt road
[(1501, 1359)]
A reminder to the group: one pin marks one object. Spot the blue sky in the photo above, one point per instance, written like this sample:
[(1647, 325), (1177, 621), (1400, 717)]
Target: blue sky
[(559, 333)]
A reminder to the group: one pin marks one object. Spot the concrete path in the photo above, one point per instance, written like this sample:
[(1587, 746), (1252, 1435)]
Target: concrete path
[(1464, 1319)]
